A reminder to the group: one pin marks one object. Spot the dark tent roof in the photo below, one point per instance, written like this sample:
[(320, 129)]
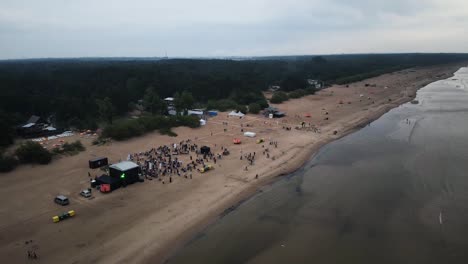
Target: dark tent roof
[(205, 150), (107, 179), (33, 119), (98, 158)]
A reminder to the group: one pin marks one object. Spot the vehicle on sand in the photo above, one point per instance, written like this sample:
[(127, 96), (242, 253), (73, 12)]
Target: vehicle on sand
[(86, 193), (58, 218), (206, 168), (62, 200)]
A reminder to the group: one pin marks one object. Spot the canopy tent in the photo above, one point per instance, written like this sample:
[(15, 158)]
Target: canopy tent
[(279, 114), (236, 141), (205, 150), (195, 112), (126, 172), (250, 134), (213, 113), (307, 115), (238, 114)]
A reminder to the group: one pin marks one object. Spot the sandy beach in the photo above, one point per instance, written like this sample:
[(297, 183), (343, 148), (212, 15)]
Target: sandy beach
[(147, 222)]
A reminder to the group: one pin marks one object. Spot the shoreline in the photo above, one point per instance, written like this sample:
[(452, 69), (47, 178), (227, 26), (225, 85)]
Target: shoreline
[(152, 221), (308, 153)]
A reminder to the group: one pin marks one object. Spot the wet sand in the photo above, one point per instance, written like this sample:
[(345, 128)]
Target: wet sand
[(146, 222)]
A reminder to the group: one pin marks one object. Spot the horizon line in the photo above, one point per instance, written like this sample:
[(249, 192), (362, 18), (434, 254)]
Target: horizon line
[(222, 57)]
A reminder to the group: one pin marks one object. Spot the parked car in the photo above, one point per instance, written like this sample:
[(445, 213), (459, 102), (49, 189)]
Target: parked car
[(86, 193), (206, 168), (62, 200)]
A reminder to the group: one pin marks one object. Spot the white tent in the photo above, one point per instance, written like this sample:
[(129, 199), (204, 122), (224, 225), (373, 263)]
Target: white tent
[(195, 112), (238, 114), (250, 134), (202, 122)]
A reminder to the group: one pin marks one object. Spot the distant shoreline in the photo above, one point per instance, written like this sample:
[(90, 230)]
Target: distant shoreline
[(227, 57)]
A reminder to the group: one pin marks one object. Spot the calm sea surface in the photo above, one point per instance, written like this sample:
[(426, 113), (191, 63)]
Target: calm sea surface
[(393, 192)]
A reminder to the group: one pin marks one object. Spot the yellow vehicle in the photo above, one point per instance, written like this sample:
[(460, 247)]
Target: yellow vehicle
[(63, 216), (206, 168)]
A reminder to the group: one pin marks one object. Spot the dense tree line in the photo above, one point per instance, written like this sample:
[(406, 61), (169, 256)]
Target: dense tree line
[(135, 127), (78, 91)]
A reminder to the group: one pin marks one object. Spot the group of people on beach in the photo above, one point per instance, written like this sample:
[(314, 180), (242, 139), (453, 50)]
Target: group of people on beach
[(32, 254), (250, 157), (164, 161)]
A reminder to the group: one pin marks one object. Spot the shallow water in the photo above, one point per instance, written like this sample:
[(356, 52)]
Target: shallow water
[(393, 192)]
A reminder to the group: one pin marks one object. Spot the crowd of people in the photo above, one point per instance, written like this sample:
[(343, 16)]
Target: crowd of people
[(163, 162), (182, 159)]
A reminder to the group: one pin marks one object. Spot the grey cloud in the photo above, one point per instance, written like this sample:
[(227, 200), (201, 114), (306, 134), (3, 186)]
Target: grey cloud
[(56, 28)]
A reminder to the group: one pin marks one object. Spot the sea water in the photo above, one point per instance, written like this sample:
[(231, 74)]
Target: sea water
[(396, 191)]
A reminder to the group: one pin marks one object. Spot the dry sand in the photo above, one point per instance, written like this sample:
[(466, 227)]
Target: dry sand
[(146, 222)]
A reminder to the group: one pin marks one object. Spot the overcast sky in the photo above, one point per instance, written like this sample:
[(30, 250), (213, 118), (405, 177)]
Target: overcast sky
[(104, 28)]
